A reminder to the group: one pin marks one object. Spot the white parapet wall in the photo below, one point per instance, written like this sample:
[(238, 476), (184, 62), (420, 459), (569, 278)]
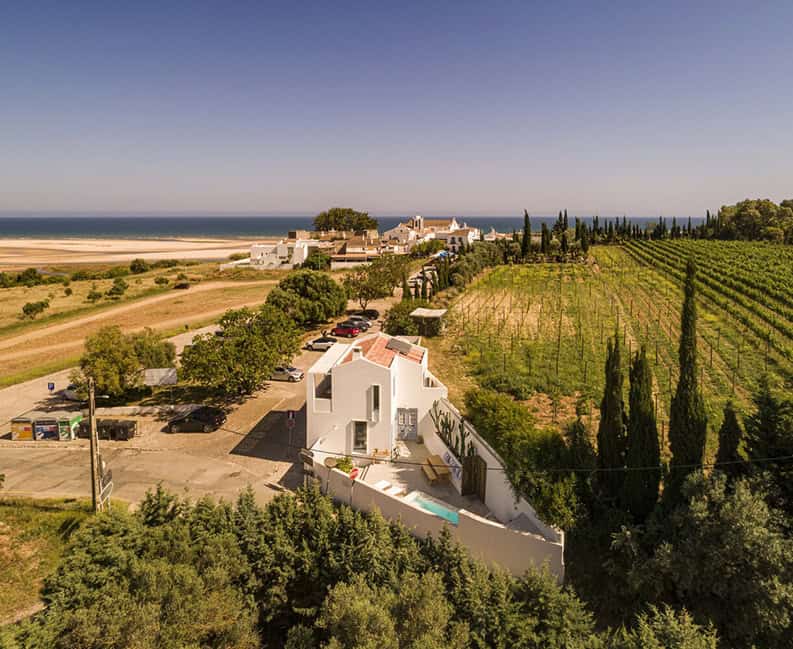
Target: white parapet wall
[(490, 541), (500, 497)]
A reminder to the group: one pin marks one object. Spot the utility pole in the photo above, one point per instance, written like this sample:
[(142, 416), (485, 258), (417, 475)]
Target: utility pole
[(94, 443)]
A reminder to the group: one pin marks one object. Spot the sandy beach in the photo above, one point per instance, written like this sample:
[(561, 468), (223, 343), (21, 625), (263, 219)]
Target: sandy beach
[(22, 253)]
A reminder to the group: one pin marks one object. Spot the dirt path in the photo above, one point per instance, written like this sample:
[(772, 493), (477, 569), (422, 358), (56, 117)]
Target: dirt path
[(77, 345), (25, 338)]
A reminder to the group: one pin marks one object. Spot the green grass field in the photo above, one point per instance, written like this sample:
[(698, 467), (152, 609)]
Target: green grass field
[(543, 328), (33, 537)]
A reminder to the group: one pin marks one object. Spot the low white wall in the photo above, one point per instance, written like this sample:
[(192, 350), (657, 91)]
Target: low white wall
[(366, 498), (500, 497), (514, 550), (489, 541), (339, 486)]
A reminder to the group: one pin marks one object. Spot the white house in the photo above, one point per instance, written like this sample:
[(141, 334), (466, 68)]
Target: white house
[(455, 239), (364, 396), (375, 400), (285, 253)]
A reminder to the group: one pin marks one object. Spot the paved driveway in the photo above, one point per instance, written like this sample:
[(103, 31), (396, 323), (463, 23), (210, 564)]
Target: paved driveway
[(257, 447)]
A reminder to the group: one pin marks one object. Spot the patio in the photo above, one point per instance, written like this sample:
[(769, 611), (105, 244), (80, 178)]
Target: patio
[(405, 475)]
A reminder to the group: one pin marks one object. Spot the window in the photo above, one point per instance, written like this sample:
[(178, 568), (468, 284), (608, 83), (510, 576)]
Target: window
[(375, 399), (359, 436)]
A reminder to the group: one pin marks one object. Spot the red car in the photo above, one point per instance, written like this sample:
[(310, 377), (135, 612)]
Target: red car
[(345, 329)]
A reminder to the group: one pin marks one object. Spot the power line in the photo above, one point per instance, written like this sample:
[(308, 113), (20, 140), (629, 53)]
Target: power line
[(670, 467)]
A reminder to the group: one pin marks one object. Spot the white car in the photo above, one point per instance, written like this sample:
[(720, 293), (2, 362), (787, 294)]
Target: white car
[(288, 373), (321, 344)]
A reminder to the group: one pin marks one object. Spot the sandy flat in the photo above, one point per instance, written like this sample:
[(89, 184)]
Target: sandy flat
[(15, 253)]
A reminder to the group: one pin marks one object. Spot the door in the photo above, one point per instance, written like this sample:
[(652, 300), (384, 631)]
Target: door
[(407, 423), (474, 477)]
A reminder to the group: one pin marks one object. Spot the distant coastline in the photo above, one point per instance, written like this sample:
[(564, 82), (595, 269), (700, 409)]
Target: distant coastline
[(219, 227)]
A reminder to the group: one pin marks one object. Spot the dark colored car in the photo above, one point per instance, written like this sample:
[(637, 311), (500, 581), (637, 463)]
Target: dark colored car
[(201, 420), (360, 321), (370, 314), (113, 429), (346, 330)]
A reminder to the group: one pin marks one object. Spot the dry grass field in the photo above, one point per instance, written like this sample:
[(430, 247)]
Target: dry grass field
[(52, 348), (53, 341)]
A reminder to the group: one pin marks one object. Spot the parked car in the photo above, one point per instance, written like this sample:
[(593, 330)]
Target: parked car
[(70, 393), (346, 330), (321, 344), (113, 429), (370, 314), (359, 320), (286, 373), (204, 420)]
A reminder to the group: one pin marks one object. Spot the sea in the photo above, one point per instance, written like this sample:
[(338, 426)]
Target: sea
[(227, 226)]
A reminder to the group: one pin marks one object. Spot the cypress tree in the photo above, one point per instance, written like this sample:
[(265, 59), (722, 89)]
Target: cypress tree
[(769, 435), (423, 285), (565, 246), (544, 239), (611, 431), (525, 244), (640, 489), (405, 288), (687, 419), (730, 435), (564, 222), (584, 239)]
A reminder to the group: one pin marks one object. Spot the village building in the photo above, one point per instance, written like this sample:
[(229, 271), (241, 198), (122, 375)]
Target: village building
[(416, 460)]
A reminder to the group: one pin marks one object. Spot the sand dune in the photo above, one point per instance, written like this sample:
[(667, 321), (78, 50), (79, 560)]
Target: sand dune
[(16, 253)]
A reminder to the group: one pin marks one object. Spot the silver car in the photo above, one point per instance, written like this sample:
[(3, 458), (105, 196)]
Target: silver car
[(287, 373), (321, 344)]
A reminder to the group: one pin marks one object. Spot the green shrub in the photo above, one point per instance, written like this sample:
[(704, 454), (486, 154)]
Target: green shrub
[(32, 309), (138, 266)]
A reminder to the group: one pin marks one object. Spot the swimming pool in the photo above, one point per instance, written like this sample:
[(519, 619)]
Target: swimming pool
[(434, 506)]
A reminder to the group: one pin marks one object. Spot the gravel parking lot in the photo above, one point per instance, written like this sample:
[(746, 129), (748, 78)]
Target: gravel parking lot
[(255, 447)]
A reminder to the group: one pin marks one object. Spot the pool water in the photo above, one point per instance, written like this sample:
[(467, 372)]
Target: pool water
[(437, 508)]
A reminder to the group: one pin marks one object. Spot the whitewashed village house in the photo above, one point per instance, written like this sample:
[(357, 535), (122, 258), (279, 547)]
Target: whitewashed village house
[(418, 229), (376, 401)]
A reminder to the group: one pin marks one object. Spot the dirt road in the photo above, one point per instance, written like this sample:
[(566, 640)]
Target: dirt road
[(50, 330)]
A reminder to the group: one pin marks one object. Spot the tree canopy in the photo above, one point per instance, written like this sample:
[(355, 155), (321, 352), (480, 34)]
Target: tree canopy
[(754, 219), (116, 360), (376, 280), (242, 357), (528, 451), (308, 297), (344, 218)]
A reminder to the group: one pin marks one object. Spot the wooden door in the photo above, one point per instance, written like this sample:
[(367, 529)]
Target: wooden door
[(474, 477)]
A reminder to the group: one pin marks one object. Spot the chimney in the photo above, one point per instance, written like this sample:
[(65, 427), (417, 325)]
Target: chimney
[(357, 352)]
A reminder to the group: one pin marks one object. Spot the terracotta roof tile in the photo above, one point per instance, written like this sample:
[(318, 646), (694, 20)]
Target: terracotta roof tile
[(375, 348)]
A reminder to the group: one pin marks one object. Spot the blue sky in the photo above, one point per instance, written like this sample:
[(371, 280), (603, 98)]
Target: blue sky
[(430, 107)]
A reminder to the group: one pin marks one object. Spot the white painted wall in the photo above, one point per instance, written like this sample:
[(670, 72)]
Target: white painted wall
[(488, 541), (401, 386), (352, 382), (500, 498)]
